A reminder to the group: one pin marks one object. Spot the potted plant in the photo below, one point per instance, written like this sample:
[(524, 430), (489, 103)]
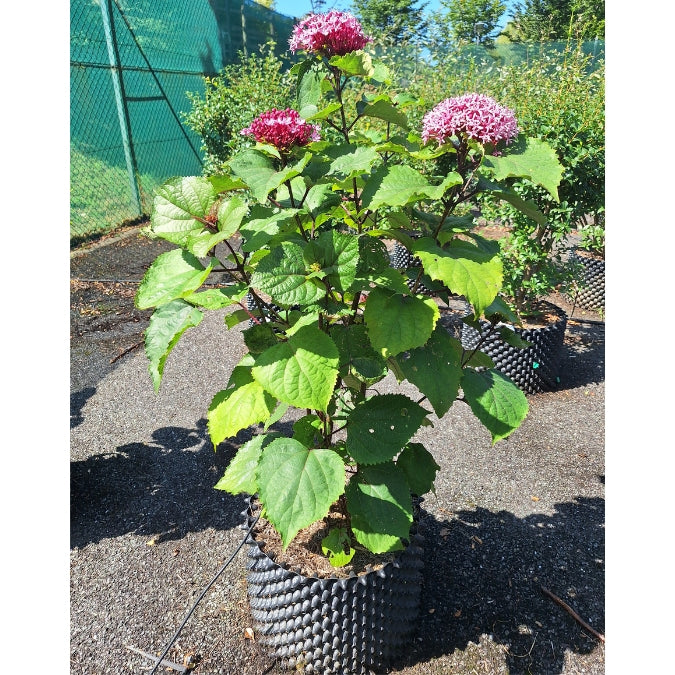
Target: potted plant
[(300, 223), (525, 333), (588, 291)]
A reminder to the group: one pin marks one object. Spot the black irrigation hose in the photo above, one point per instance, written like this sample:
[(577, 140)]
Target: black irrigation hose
[(203, 593)]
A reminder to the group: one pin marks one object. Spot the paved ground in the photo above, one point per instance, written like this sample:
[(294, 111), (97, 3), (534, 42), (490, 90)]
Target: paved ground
[(148, 531)]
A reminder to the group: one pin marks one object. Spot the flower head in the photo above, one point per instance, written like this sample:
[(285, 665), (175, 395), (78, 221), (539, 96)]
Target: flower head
[(476, 115), (332, 34), (283, 129)]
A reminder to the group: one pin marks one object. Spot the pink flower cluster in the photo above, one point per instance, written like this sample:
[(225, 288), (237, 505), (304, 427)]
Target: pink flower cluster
[(332, 34), (282, 128), (476, 115)]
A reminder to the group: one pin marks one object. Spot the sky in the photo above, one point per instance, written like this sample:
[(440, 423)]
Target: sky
[(297, 8)]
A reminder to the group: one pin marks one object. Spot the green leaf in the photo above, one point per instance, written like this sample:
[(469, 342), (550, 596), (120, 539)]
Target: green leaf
[(217, 298), (419, 467), (174, 274), (495, 400), (179, 203), (529, 158), (355, 63), (255, 169), (337, 255), (281, 177), (223, 183), (380, 506), (389, 279), (264, 223), (309, 86), (308, 430), (379, 427), (323, 113), (337, 546), (382, 108), (238, 316), (464, 268), (230, 214), (239, 406), (527, 207), (509, 335), (393, 186), (398, 322), (297, 486), (301, 371), (240, 475), (350, 160), (283, 275), (320, 198), (259, 337), (357, 357), (165, 327), (435, 369), (501, 310)]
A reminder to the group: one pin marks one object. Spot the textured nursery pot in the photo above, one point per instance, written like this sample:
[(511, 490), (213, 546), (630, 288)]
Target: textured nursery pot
[(590, 293), (357, 624), (402, 259), (534, 369)]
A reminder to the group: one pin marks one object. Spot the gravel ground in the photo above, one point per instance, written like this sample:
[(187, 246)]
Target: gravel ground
[(148, 531)]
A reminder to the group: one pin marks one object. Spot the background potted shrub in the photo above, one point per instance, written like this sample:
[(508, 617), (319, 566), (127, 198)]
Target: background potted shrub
[(300, 224), (562, 102), (588, 288)]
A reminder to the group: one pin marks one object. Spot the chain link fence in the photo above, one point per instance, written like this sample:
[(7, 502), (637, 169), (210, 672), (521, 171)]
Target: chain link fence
[(131, 64)]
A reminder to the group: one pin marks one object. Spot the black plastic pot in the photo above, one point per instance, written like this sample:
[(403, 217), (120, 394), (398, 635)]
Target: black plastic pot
[(590, 292), (534, 369), (353, 625), (402, 259)]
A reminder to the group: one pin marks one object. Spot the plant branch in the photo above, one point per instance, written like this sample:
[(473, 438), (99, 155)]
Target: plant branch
[(574, 615)]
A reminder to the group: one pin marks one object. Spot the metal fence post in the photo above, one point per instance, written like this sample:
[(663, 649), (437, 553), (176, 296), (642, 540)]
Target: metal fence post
[(122, 111)]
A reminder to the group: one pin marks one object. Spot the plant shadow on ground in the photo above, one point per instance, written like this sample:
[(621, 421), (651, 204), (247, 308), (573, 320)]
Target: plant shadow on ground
[(484, 574), (165, 488), (77, 403), (583, 356)]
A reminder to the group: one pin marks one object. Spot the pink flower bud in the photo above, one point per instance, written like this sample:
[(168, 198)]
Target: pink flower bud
[(283, 129), (332, 34), (477, 116)]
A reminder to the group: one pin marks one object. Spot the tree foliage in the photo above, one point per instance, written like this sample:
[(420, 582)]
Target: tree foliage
[(464, 21), (544, 20), (392, 21)]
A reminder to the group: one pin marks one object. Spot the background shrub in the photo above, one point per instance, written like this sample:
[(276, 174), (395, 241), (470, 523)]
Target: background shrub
[(242, 91)]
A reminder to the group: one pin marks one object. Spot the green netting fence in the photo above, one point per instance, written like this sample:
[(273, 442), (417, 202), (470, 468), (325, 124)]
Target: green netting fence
[(131, 64)]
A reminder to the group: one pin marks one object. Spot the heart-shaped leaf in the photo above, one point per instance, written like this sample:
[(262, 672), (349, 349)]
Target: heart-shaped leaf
[(495, 400), (435, 369), (529, 158), (174, 274), (465, 268), (297, 486), (399, 322), (239, 406), (166, 325), (379, 427), (283, 275), (419, 467), (380, 506), (301, 371)]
